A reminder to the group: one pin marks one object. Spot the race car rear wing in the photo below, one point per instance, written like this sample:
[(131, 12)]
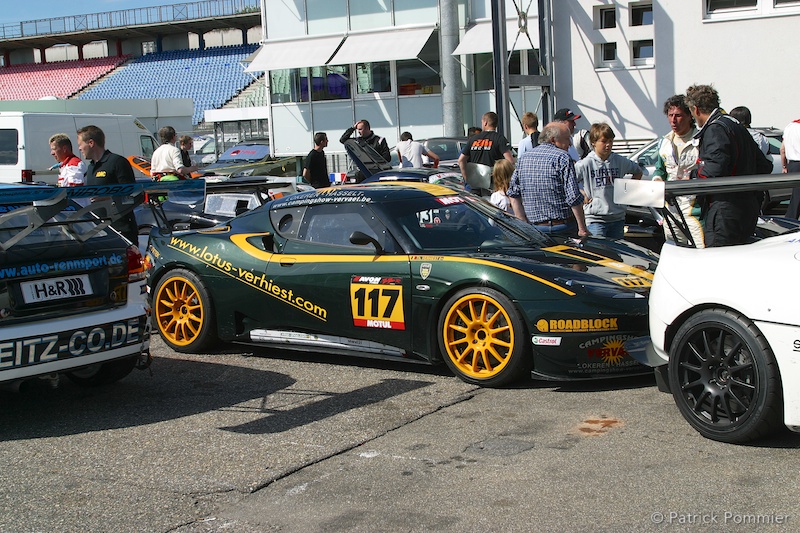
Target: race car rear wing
[(658, 194), (27, 208)]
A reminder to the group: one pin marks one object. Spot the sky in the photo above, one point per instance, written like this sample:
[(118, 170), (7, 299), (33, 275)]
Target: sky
[(14, 11)]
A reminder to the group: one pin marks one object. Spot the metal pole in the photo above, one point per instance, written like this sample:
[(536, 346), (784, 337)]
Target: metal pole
[(452, 86), (500, 65), (546, 57)]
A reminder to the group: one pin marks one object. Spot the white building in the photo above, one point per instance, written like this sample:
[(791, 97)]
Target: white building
[(332, 62)]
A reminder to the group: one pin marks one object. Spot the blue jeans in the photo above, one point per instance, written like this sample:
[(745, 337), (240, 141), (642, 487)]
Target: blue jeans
[(610, 230), (570, 229)]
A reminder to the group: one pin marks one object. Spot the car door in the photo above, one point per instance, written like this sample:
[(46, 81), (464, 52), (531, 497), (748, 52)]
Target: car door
[(332, 286)]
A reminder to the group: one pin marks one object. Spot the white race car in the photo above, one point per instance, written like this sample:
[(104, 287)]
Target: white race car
[(725, 333)]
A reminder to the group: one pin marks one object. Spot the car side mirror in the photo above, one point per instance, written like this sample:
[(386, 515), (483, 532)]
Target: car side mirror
[(362, 239)]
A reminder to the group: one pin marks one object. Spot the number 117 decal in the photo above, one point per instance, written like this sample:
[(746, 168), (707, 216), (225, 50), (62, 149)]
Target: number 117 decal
[(377, 302)]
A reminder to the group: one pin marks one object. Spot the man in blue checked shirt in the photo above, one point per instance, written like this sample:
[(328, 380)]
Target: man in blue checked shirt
[(543, 188)]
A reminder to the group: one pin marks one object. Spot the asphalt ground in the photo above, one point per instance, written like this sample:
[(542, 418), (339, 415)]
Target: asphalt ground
[(274, 441)]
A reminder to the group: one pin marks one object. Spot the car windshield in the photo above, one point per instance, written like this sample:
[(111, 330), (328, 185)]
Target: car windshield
[(461, 223), (245, 153), (446, 149)]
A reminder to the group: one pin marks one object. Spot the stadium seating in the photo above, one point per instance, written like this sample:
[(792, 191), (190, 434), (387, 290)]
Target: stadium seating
[(62, 79), (211, 77)]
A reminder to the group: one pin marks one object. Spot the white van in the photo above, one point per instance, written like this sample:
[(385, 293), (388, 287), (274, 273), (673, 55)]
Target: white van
[(25, 148)]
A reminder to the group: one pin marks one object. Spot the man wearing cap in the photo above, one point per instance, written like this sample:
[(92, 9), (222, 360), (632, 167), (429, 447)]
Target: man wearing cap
[(486, 147), (579, 142)]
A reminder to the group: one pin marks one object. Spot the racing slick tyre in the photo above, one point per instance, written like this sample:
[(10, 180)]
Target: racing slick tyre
[(183, 312), (724, 377), (482, 338), (103, 373)]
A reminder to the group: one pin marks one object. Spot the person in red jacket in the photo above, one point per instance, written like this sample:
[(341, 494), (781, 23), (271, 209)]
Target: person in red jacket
[(71, 169)]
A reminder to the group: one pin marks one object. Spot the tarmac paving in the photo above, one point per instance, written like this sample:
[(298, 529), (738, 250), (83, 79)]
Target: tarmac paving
[(260, 441)]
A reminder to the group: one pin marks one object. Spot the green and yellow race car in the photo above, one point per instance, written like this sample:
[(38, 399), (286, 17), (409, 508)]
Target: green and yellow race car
[(404, 271)]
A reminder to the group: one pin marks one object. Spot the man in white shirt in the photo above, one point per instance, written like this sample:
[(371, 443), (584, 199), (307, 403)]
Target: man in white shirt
[(410, 152), (167, 163)]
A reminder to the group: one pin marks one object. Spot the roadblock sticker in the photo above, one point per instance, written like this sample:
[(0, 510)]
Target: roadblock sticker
[(578, 325), (377, 302)]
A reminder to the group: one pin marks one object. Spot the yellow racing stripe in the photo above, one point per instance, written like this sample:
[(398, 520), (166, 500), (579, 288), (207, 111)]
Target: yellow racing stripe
[(589, 257), (241, 241)]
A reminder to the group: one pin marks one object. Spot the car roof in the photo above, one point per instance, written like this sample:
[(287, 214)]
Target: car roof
[(769, 132), (366, 193)]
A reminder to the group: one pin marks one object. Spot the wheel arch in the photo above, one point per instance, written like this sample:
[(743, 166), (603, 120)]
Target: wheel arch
[(157, 275), (672, 329)]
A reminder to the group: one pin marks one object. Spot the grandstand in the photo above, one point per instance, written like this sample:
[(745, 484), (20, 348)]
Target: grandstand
[(154, 58), (63, 79), (211, 77)]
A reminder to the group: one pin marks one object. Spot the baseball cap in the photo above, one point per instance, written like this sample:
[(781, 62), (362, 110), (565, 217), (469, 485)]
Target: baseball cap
[(565, 114)]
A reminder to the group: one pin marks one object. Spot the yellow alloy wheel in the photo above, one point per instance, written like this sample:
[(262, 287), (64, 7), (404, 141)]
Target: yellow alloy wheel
[(478, 336), (180, 310)]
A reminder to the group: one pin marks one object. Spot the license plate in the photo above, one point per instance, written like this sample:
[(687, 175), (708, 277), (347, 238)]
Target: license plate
[(47, 290)]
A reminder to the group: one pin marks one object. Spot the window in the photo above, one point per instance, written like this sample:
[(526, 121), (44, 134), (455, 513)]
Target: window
[(420, 76), (642, 52), (743, 9), (607, 18), (648, 157), (608, 52), (287, 221), (332, 224), (289, 85), (483, 76), (9, 144), (148, 47), (330, 83), (148, 145), (714, 5), (642, 15), (373, 78), (230, 204)]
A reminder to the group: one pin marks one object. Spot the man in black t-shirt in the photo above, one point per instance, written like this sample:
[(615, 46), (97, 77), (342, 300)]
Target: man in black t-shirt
[(106, 168), (315, 168), (486, 147)]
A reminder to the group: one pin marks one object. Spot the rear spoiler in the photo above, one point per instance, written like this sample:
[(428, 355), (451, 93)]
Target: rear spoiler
[(647, 193), (109, 203), (658, 194)]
